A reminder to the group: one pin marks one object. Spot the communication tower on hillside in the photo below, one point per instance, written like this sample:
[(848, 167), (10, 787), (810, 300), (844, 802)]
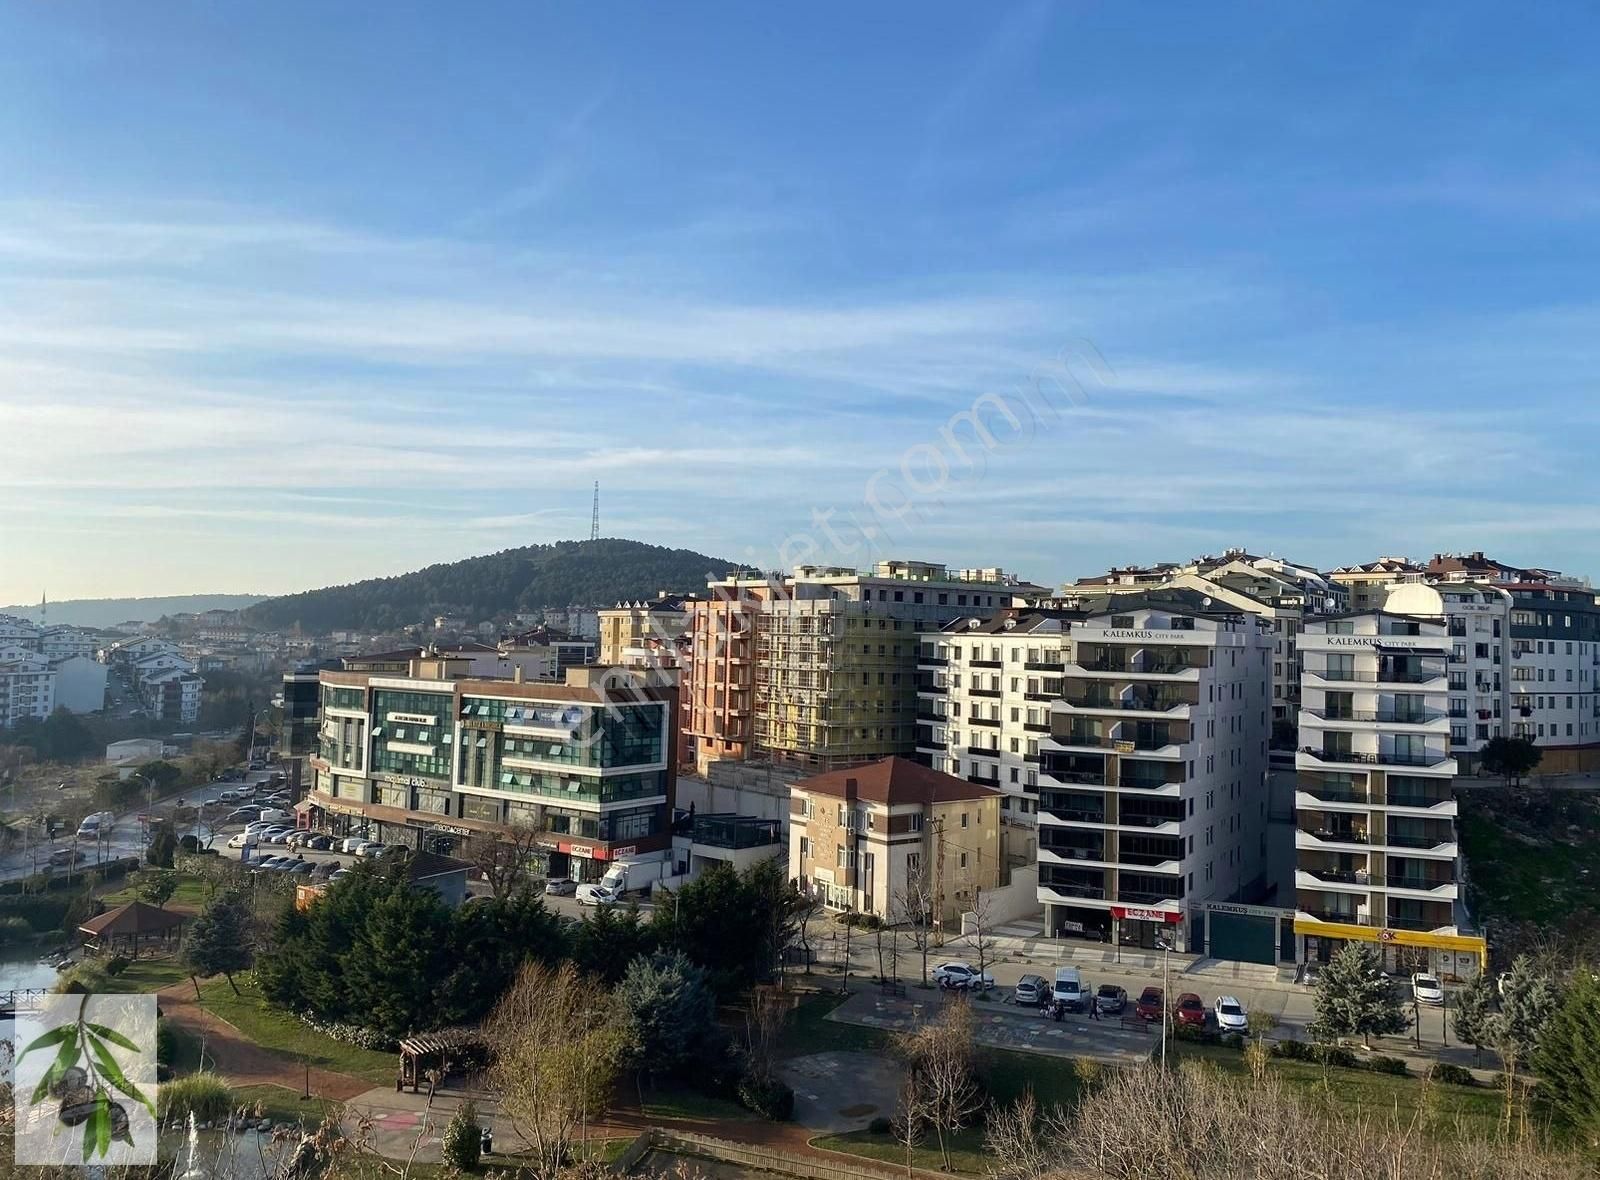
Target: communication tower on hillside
[(594, 517)]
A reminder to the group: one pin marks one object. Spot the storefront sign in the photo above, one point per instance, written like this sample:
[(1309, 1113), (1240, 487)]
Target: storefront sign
[(548, 845), (1351, 933), (1429, 642), (618, 853), (441, 829), (411, 718), (1252, 911), (1130, 913), (581, 851)]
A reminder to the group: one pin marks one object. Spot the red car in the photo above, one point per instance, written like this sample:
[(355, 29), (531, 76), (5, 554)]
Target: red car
[(1190, 1010), (1150, 1004)]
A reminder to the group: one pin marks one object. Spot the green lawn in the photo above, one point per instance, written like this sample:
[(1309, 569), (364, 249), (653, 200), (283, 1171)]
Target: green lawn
[(283, 1033), (186, 1057), (967, 1152), (680, 1102), (282, 1105), (810, 1031), (149, 975), (1349, 1091), (190, 894)]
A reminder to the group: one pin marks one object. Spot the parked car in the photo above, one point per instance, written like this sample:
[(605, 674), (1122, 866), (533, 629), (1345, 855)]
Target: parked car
[(240, 839), (1072, 991), (1190, 1009), (243, 815), (1427, 989), (63, 857), (560, 886), (1110, 1000), (588, 894), (269, 863), (1231, 1016), (1150, 1005), (1031, 990), (320, 843), (301, 868), (261, 825), (325, 868), (369, 848), (337, 873), (351, 843), (962, 977), (276, 835)]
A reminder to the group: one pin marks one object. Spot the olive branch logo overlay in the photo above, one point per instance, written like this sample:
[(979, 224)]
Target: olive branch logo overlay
[(88, 1082)]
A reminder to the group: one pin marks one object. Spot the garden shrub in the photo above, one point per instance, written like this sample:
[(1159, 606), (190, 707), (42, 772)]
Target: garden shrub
[(204, 1094), (1450, 1075)]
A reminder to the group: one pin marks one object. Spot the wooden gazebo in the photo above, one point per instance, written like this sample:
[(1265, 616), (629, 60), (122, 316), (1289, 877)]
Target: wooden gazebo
[(128, 926), (437, 1054)]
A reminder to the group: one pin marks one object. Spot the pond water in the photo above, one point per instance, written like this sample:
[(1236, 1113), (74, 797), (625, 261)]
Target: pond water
[(20, 967), (221, 1155)]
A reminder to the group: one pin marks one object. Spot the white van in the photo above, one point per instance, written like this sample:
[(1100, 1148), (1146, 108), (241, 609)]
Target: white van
[(1071, 990), (89, 829)]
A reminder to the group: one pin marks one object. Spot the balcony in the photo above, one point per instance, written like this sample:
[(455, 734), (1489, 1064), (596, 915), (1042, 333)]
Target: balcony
[(735, 831), (1434, 886), (984, 751), (986, 722), (928, 661), (1420, 840), (923, 716), (985, 664), (1071, 892), (1146, 896), (983, 782), (1072, 815), (1032, 727), (1379, 716), (1320, 835), (1045, 666), (984, 692), (1374, 757)]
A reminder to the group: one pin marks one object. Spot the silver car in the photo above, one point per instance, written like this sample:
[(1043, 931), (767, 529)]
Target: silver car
[(1031, 990)]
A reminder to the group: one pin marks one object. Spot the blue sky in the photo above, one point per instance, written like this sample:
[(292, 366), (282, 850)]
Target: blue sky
[(295, 294)]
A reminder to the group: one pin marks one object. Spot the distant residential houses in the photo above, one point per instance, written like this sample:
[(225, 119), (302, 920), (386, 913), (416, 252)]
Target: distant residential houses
[(45, 667)]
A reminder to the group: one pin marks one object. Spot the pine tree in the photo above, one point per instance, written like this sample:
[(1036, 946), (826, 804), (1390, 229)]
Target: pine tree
[(1567, 1059), (1527, 999), (219, 942), (1355, 999), (1474, 1005)]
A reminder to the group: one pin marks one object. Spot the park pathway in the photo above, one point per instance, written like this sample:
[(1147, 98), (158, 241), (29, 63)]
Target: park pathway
[(244, 1063)]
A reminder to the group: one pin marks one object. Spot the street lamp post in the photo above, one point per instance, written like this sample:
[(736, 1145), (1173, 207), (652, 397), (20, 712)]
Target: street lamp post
[(1165, 943)]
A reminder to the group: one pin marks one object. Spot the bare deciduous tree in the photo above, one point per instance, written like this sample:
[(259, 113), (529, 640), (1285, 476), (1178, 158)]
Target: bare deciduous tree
[(982, 940), (913, 904), (504, 859), (938, 1056), (555, 1050)]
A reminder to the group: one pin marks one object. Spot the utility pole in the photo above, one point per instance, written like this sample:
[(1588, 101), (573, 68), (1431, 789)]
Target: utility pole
[(938, 880), (1165, 943)]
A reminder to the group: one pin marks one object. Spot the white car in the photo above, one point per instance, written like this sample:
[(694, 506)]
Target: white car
[(369, 848), (596, 895), (276, 835), (351, 843), (962, 977), (1427, 989), (1231, 1016), (240, 840)]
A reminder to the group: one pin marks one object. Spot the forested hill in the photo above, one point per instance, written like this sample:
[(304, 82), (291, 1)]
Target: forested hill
[(562, 574)]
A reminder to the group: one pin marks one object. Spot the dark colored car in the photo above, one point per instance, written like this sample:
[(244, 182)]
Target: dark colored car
[(1150, 1004), (1190, 1010), (1110, 1000), (320, 843)]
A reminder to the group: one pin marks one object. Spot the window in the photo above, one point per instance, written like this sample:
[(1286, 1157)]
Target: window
[(916, 822), (963, 819)]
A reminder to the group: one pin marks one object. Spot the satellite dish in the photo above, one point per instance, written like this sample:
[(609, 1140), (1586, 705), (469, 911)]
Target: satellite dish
[(1205, 602)]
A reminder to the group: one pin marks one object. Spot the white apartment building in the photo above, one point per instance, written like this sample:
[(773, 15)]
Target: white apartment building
[(983, 706), (1153, 793), (27, 685), (1554, 661), (1376, 857), (17, 632), (1478, 619), (65, 643)]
